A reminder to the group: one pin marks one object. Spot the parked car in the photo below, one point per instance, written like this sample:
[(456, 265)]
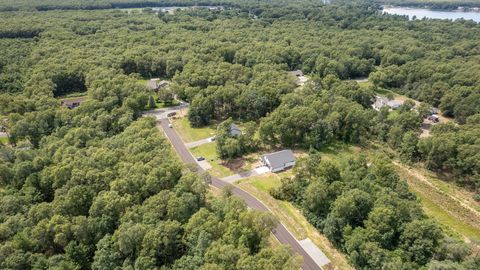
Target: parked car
[(212, 139), (200, 158), (434, 118), (170, 125)]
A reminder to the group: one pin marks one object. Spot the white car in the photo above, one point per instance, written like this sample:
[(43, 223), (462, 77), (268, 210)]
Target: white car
[(170, 125)]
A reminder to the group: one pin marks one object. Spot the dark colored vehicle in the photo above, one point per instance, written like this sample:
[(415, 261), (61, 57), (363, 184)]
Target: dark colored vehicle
[(200, 158)]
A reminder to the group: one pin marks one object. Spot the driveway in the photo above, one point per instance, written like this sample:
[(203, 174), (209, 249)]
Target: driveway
[(234, 178), (198, 143)]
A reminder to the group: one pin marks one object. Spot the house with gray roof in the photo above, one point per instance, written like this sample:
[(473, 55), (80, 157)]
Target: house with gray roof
[(279, 161), (235, 130)]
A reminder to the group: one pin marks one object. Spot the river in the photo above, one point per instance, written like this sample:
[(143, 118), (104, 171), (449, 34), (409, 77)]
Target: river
[(420, 13)]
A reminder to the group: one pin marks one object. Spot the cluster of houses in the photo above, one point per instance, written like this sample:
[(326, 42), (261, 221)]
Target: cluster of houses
[(381, 102)]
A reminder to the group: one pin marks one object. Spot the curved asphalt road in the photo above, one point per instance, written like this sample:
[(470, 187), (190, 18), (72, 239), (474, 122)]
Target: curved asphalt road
[(280, 232)]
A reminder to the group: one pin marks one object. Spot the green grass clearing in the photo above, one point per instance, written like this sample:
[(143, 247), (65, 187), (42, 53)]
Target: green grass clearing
[(366, 84), (190, 134), (443, 203), (340, 152), (447, 221), (208, 151), (4, 140), (268, 181)]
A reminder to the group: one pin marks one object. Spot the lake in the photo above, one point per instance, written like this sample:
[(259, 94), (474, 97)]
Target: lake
[(433, 14)]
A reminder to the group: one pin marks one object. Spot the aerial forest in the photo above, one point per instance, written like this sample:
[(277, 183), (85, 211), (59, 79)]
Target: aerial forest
[(99, 187)]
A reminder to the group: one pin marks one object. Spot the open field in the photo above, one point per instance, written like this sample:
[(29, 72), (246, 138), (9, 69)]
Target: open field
[(451, 207), (190, 134), (291, 217), (4, 140)]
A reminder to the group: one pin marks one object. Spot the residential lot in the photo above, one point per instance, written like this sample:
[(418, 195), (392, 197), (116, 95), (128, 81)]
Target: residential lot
[(189, 134)]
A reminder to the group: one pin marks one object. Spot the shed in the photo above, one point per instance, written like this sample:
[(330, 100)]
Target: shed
[(235, 130), (279, 161)]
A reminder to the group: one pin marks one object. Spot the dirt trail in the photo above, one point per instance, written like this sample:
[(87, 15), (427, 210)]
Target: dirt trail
[(453, 202)]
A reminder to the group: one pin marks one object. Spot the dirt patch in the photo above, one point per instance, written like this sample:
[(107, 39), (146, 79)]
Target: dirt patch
[(235, 164), (243, 164)]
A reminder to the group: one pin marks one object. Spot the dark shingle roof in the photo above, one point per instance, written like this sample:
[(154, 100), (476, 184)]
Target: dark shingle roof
[(278, 159)]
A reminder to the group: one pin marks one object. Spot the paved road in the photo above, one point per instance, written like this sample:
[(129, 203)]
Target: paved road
[(280, 232)]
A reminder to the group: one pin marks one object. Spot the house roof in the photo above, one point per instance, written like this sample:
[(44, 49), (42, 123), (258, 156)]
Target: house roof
[(156, 84), (297, 72), (278, 159), (235, 130), (394, 103)]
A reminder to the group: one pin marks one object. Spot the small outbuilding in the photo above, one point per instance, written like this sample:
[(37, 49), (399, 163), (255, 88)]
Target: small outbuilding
[(157, 84), (279, 161), (235, 130)]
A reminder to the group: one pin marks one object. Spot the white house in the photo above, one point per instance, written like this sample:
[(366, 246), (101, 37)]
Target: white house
[(383, 101), (279, 161)]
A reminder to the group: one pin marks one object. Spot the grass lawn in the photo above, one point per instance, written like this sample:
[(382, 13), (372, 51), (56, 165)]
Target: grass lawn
[(190, 134), (160, 104), (4, 140), (208, 151), (265, 183), (366, 84)]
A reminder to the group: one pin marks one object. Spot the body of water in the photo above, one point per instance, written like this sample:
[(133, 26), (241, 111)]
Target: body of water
[(420, 13)]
